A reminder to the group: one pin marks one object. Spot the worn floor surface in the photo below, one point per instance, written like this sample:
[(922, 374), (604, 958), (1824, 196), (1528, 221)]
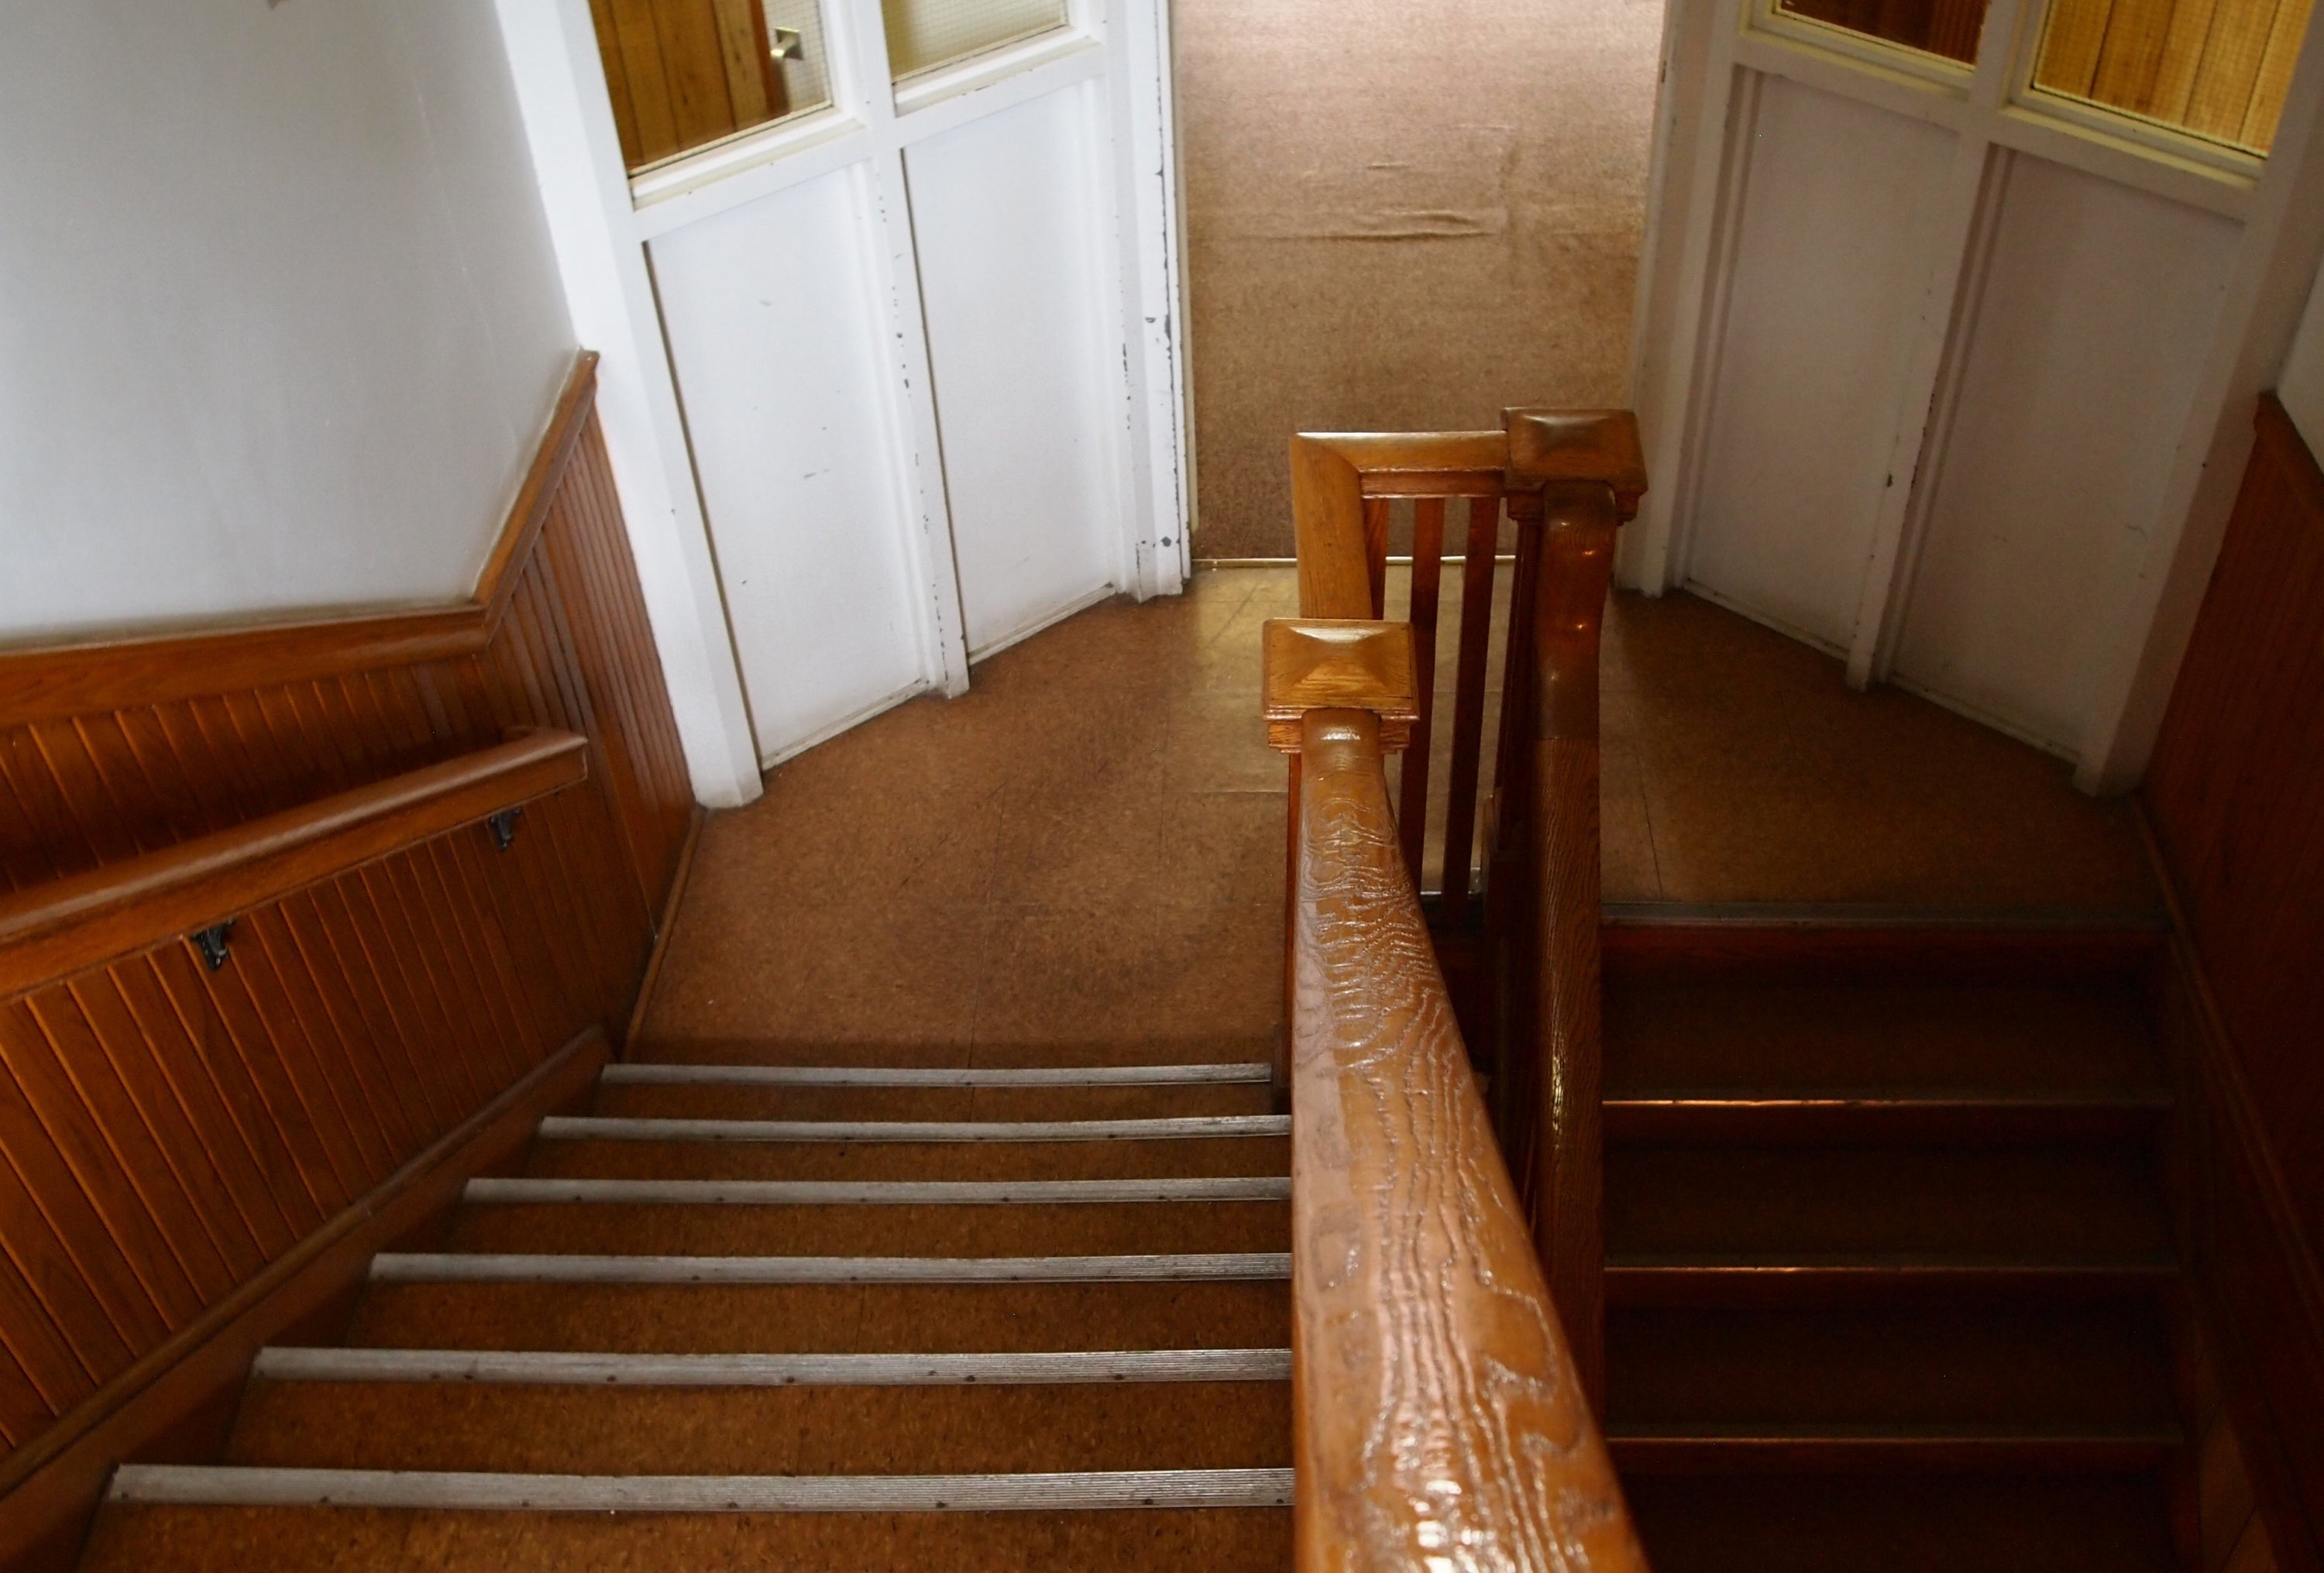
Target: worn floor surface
[(1084, 856), (1401, 217)]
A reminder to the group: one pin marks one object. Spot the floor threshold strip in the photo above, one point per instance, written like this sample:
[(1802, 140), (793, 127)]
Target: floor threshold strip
[(555, 1368), (598, 1128), (887, 1076), (882, 1192), (451, 1267), (228, 1485)]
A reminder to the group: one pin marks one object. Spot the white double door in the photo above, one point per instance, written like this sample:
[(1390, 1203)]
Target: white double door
[(924, 346)]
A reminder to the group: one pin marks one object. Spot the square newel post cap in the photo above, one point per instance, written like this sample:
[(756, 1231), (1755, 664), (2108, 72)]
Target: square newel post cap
[(1318, 663), (1578, 444)]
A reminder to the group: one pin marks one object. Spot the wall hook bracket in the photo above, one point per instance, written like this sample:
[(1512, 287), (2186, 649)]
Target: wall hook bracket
[(503, 827), (212, 943)]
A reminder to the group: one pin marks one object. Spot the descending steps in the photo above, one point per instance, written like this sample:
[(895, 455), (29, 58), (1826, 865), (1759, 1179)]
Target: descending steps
[(1889, 1261), (989, 1318)]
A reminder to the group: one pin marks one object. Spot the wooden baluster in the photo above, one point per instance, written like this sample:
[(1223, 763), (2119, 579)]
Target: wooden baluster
[(1576, 548), (1512, 873), (1469, 705), (1427, 570), (1376, 517)]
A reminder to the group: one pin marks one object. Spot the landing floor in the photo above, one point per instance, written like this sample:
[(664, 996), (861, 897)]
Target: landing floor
[(1084, 856)]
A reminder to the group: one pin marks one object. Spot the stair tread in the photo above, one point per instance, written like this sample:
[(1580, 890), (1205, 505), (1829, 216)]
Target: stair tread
[(1739, 1201), (916, 1368), (783, 1430), (596, 1127), (1904, 1369), (132, 1539), (820, 1318), (1036, 1100), (1936, 1522), (1113, 1159), (1093, 1228), (228, 1483), (1977, 1039)]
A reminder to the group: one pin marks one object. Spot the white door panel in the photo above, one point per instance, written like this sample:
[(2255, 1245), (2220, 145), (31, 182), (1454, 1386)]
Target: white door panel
[(771, 328), (2098, 303), (1002, 215), (1831, 256), (1952, 375)]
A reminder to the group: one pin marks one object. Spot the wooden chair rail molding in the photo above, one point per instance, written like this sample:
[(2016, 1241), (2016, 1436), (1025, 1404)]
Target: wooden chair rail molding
[(1439, 1414), (191, 1158), (58, 930)]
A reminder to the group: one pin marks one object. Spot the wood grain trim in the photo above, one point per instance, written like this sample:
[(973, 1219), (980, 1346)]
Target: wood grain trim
[(1331, 472), (64, 927), (55, 682), (2280, 441), (666, 925), (152, 1409), (568, 423), (2257, 1273), (1436, 1402)]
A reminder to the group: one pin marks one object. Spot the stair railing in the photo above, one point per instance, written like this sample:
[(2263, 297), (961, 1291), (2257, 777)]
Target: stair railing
[(1443, 1404)]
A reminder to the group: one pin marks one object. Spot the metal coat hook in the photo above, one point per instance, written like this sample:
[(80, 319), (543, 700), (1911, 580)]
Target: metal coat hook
[(212, 943), (503, 827)]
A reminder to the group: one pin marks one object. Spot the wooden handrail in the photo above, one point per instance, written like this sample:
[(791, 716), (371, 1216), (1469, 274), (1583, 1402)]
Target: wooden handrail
[(1447, 1359), (1440, 1418), (61, 928)]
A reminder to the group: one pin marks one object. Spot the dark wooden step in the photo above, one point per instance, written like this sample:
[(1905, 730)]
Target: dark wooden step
[(804, 1429), (1936, 1522), (828, 1317), (1844, 1280), (1868, 1117), (1768, 1039), (2097, 1366), (1997, 1205), (1740, 1448)]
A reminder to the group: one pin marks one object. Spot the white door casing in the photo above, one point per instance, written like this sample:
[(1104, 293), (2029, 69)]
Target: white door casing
[(923, 347), (1949, 377)]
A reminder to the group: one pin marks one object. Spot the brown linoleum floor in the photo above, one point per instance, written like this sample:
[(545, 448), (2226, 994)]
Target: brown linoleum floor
[(1082, 858)]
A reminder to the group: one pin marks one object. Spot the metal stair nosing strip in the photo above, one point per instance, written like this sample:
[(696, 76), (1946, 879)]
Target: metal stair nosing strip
[(899, 1076), (441, 1267), (602, 1128), (230, 1485), (557, 1368), (879, 1192)]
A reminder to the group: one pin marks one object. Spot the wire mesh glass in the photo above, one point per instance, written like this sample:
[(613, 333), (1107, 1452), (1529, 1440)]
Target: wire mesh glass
[(2216, 69), (926, 35)]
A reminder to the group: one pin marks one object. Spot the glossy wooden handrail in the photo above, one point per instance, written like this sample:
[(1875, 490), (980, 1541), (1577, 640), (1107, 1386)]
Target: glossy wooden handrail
[(1440, 1418), (56, 930)]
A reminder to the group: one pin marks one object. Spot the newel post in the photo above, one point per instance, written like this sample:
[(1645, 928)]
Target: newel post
[(1586, 471), (1327, 664)]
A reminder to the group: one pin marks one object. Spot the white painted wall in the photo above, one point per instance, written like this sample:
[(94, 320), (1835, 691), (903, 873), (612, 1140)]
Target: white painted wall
[(280, 325), (2300, 385)]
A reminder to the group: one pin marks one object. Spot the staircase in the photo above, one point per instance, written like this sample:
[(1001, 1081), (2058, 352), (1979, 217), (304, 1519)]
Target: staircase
[(837, 1316), (1889, 1263)]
